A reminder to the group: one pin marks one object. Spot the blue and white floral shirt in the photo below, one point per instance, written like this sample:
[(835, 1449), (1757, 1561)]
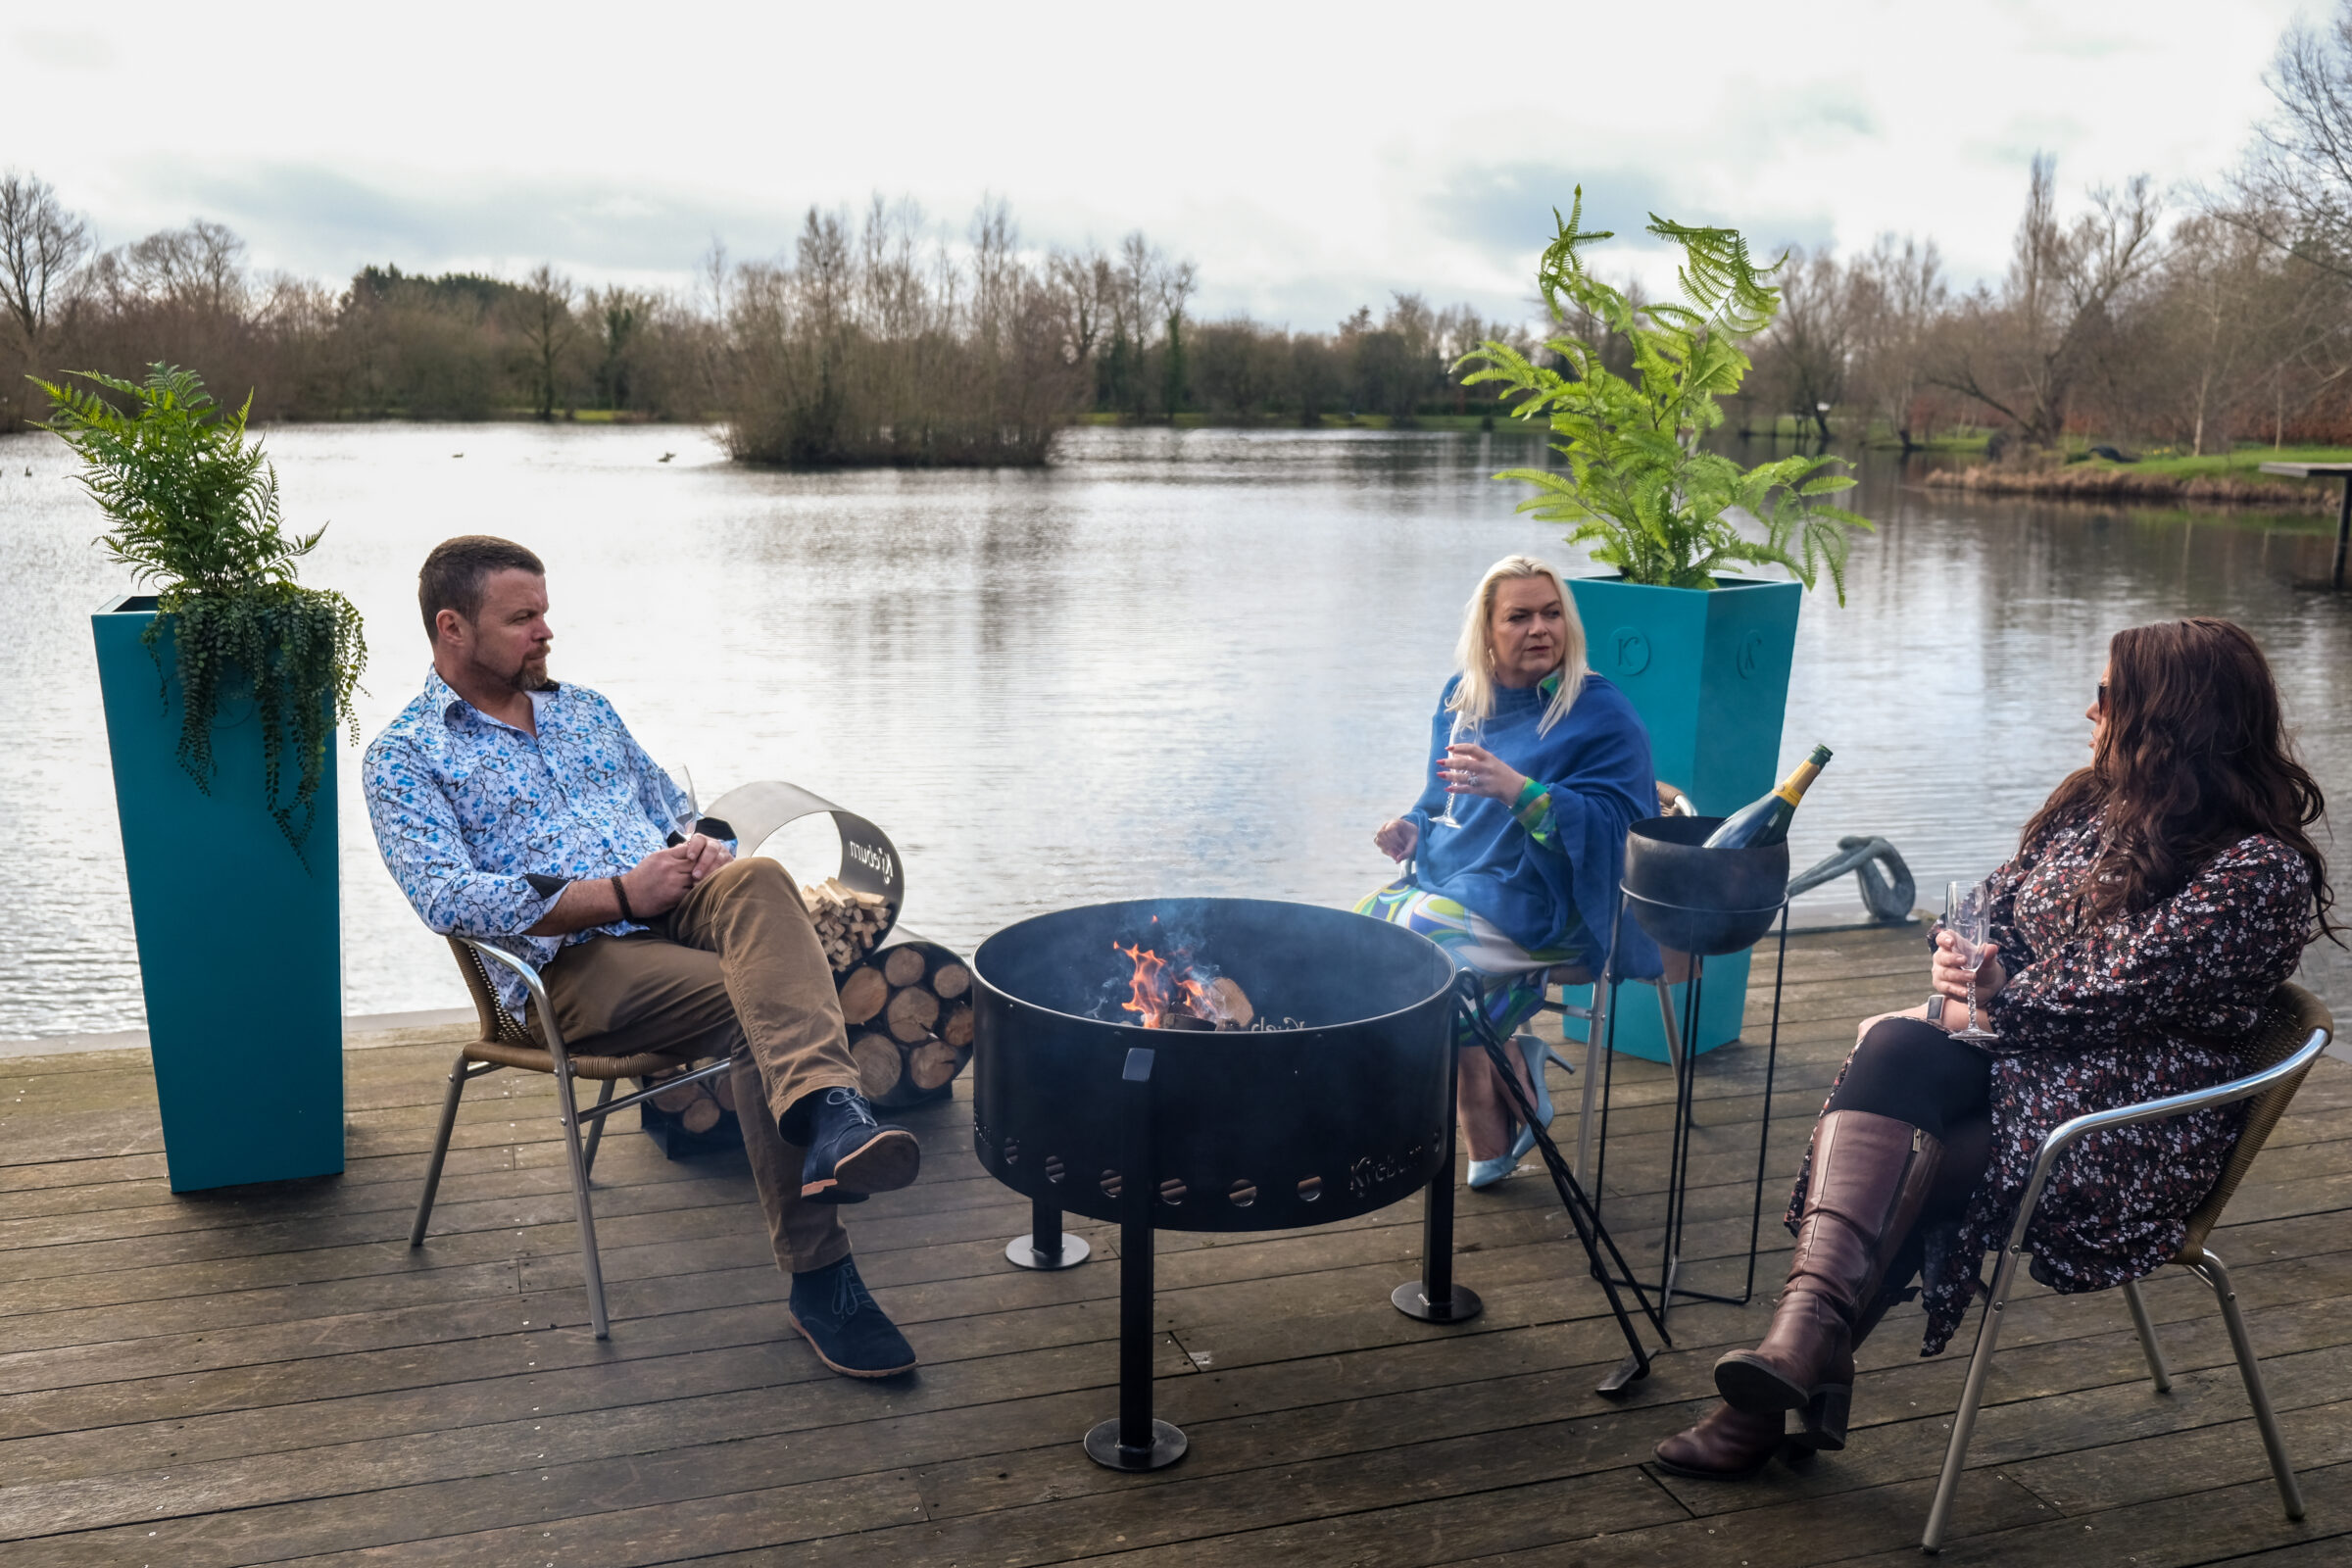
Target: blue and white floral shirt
[(468, 809)]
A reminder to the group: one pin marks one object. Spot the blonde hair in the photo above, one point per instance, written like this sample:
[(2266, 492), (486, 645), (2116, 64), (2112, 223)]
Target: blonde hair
[(1473, 698)]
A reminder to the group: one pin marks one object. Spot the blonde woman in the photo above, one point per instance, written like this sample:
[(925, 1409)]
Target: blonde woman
[(1512, 853)]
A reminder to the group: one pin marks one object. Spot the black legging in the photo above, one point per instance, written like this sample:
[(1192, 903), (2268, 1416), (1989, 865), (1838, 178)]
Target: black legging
[(1909, 1069)]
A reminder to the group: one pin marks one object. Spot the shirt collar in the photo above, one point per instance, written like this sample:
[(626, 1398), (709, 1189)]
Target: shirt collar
[(1549, 686), (449, 705)]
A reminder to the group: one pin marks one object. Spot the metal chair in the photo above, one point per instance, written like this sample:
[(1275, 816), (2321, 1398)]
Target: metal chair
[(506, 1043), (2294, 1029), (1569, 976)]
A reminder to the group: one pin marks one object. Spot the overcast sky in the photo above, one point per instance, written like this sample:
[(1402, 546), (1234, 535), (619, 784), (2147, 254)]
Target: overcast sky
[(1307, 158)]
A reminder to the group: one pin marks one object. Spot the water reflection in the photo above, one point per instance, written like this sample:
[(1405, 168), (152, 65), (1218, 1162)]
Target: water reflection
[(1179, 662)]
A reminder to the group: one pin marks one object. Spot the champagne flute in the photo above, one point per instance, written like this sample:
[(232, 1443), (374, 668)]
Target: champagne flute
[(1967, 916), (1465, 733)]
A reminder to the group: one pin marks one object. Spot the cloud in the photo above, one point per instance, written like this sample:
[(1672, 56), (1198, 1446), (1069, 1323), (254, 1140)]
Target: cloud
[(69, 51), (1503, 214), (310, 217)]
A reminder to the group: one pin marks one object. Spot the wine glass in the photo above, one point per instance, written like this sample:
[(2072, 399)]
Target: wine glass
[(1465, 733), (1967, 916)]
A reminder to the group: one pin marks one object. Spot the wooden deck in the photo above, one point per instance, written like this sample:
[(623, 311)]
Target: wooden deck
[(271, 1375)]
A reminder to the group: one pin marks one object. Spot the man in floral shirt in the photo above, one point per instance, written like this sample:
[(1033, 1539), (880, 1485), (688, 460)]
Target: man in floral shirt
[(521, 811)]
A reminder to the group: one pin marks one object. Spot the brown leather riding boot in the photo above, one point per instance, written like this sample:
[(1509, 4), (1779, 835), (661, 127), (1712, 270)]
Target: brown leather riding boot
[(1727, 1444), (1871, 1176)]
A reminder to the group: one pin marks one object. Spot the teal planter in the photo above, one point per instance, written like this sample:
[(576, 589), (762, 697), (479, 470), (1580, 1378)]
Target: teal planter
[(240, 946), (1708, 673)]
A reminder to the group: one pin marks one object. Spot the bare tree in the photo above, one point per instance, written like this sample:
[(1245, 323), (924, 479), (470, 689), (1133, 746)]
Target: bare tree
[(2294, 190), (198, 270), (2024, 351), (1901, 295), (544, 319), (1083, 282), (40, 245), (1811, 343)]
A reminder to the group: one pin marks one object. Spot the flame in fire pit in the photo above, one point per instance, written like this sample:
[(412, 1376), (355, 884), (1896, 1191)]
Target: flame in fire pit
[(1181, 994)]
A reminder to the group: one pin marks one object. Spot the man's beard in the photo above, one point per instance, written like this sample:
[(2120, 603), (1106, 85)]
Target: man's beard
[(531, 678)]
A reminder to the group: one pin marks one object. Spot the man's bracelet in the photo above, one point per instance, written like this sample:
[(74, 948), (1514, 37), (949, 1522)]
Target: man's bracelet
[(620, 896)]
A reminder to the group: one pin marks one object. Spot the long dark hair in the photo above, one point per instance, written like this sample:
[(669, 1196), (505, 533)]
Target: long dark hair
[(2193, 757)]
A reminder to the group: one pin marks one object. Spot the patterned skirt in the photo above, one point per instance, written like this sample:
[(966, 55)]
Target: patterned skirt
[(1511, 979)]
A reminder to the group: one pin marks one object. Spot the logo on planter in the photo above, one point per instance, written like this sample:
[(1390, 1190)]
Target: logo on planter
[(1631, 650), (1751, 655)]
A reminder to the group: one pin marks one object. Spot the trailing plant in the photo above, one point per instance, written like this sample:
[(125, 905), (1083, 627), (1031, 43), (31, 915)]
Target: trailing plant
[(1640, 488), (193, 511)]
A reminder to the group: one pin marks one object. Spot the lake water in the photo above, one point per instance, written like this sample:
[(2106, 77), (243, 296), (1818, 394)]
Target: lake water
[(1178, 662)]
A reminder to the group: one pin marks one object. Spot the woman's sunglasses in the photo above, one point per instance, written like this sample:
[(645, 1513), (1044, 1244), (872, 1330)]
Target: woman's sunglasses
[(2100, 701)]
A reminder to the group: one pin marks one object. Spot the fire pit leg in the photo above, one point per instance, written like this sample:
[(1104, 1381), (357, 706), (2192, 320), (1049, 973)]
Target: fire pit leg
[(1135, 1441), (1046, 1247), (1435, 1297)]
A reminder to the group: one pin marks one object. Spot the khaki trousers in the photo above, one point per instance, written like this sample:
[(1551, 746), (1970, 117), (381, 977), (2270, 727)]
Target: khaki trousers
[(734, 970)]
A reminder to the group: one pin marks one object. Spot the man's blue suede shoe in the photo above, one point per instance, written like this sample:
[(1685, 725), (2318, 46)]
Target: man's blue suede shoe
[(850, 1154), (843, 1324)]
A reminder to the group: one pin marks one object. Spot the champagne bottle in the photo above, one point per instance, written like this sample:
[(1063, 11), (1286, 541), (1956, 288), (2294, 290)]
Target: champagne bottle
[(1766, 822)]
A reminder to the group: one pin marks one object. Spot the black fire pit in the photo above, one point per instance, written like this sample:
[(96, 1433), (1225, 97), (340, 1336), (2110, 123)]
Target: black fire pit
[(1199, 1129)]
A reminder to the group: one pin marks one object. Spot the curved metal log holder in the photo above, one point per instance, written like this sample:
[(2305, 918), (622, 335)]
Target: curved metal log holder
[(869, 860), (1348, 1111), (1700, 902)]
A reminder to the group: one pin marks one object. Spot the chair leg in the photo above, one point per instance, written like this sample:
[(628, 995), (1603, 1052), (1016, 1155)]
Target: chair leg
[(1972, 1395), (2147, 1338), (432, 1168), (1674, 1033), (596, 1126), (591, 1270), (1596, 1027), (2209, 1269)]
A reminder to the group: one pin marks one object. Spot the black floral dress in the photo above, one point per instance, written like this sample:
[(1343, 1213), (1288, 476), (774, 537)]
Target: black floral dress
[(2095, 1017)]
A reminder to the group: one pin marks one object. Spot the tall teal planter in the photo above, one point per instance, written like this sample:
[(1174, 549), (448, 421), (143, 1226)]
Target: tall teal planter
[(1708, 673), (240, 946)]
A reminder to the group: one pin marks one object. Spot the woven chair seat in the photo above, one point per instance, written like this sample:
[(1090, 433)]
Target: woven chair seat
[(531, 1059), (506, 1041)]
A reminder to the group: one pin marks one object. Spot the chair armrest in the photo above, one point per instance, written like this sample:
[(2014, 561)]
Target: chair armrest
[(530, 979), (2059, 1139)]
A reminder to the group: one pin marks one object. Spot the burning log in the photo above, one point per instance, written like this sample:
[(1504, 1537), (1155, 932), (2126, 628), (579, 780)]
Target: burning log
[(1183, 994)]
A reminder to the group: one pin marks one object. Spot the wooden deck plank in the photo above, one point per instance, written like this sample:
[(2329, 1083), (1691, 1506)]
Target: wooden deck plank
[(271, 1375)]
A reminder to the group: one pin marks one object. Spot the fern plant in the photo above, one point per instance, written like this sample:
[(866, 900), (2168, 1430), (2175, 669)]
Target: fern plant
[(1638, 488), (192, 510)]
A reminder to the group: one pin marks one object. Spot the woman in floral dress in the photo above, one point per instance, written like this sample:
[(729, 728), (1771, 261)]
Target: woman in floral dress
[(2156, 900)]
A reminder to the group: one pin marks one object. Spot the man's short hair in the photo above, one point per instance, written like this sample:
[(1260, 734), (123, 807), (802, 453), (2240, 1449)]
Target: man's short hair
[(453, 576)]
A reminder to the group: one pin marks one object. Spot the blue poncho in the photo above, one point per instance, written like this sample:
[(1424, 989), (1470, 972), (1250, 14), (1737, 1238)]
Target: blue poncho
[(1551, 885)]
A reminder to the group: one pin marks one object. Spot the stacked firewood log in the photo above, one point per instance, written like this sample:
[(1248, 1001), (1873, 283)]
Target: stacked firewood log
[(848, 922), (910, 1012), (697, 1107)]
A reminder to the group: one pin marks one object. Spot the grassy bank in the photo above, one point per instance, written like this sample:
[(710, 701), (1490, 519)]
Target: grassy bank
[(2214, 480), (1326, 422)]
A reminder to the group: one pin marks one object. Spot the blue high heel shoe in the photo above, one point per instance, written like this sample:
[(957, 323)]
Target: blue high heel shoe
[(1485, 1173), (1536, 1052)]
